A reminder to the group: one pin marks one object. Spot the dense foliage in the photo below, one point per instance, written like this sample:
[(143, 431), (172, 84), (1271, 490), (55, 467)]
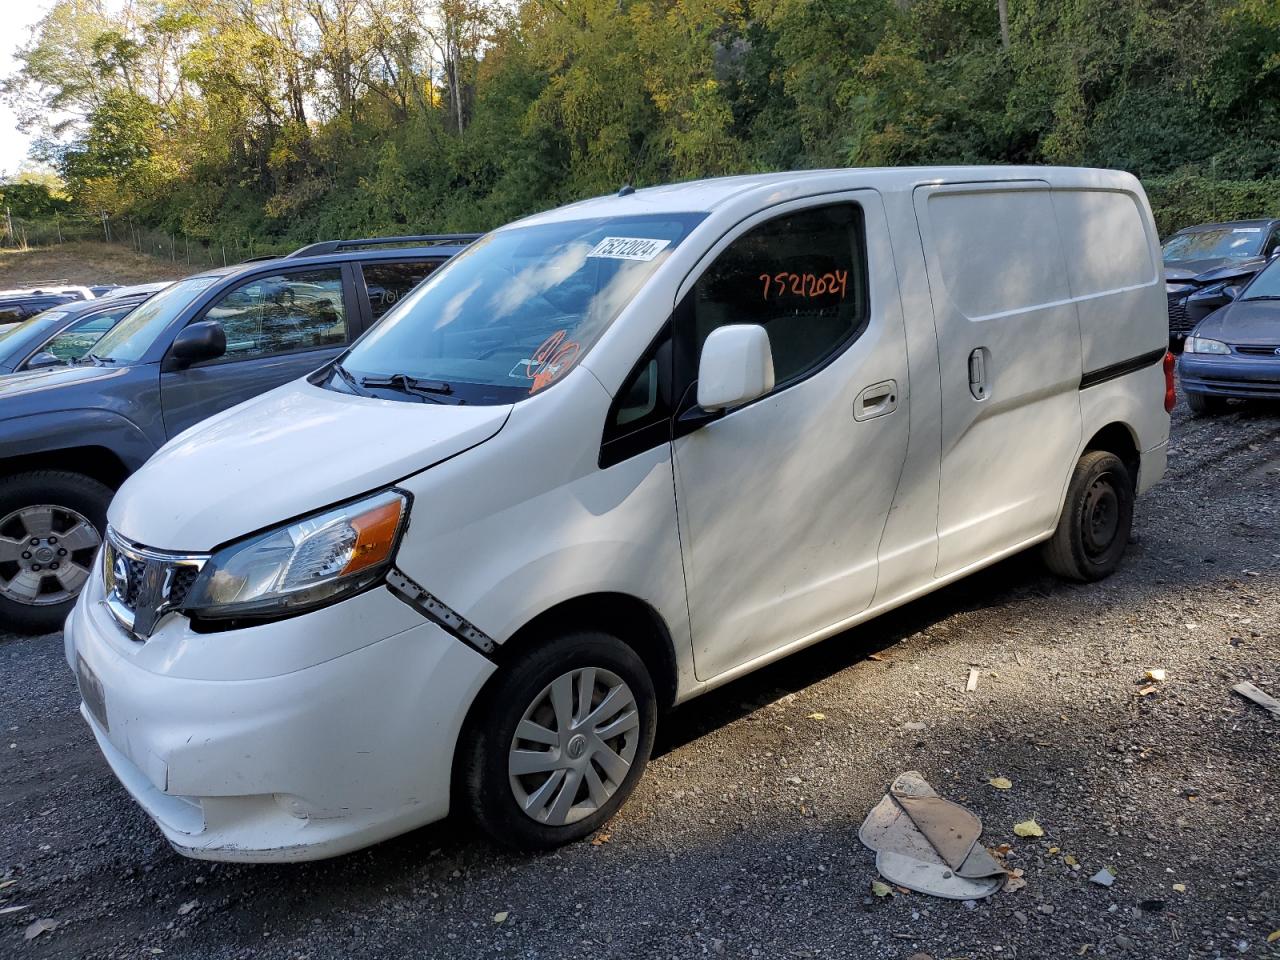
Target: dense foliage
[(297, 119)]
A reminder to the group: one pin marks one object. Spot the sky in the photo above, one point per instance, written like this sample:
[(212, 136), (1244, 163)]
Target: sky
[(19, 16)]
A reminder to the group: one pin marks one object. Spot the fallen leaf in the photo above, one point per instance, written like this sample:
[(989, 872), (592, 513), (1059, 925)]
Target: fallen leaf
[(1070, 861), (1147, 691), (501, 916), (1182, 888), (1028, 828), (1052, 850), (188, 907), (1273, 937), (880, 889), (816, 716), (4, 910), (7, 883), (874, 656), (1001, 783), (1157, 674), (39, 927), (601, 838), (1014, 884)]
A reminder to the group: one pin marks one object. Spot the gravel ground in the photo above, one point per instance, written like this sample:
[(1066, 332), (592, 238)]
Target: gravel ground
[(741, 840)]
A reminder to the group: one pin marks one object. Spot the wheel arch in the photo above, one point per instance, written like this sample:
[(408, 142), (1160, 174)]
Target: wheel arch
[(1118, 438), (97, 462), (632, 620)]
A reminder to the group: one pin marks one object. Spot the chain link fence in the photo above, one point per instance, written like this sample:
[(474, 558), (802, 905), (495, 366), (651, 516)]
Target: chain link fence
[(195, 252)]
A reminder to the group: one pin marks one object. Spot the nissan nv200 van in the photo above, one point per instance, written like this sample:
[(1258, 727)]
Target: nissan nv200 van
[(608, 458)]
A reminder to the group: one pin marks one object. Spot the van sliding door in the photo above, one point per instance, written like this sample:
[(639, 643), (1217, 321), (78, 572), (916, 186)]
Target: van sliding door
[(1009, 362)]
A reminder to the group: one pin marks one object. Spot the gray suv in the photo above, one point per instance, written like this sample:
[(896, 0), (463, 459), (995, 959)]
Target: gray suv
[(69, 436)]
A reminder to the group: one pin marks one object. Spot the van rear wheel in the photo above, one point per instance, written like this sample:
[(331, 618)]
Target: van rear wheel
[(1097, 517), (558, 741)]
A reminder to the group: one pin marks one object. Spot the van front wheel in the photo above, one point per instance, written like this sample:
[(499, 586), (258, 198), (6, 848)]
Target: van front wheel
[(559, 741), (1093, 530)]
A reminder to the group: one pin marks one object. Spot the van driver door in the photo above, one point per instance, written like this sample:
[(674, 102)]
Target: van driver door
[(782, 501)]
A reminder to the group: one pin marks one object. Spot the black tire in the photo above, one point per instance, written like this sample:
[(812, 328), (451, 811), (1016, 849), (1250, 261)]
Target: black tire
[(1204, 404), (489, 735), (1097, 517), (59, 488)]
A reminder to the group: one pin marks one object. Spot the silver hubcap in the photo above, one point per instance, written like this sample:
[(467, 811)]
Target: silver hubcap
[(45, 554), (574, 746)]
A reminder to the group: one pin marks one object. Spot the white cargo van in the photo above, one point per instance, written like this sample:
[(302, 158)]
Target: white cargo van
[(610, 457)]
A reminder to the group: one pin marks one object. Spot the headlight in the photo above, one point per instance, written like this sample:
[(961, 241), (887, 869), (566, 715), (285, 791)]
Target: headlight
[(1201, 345), (304, 564)]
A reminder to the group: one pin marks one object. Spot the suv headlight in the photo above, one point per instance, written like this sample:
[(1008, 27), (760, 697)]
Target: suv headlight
[(303, 564), (1203, 345)]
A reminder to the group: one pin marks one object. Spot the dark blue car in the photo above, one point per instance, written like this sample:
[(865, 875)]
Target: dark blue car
[(70, 435), (1235, 351), (64, 333)]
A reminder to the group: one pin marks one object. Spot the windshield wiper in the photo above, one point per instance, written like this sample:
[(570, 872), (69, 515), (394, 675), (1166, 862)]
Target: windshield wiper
[(97, 359), (434, 390), (349, 378), (1265, 296)]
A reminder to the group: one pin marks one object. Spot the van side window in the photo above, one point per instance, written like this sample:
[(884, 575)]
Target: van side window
[(640, 416), (801, 276)]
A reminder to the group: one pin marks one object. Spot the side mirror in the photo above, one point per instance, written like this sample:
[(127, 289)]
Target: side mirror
[(205, 340), (1232, 292), (736, 366), (44, 359)]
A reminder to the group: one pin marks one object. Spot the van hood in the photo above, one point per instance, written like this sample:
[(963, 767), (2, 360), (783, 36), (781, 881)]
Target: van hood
[(286, 453)]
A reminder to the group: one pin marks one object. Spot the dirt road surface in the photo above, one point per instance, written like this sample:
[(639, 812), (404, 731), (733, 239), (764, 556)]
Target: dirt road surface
[(741, 841)]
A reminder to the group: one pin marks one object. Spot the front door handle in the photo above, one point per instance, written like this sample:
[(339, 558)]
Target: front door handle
[(978, 373), (876, 400)]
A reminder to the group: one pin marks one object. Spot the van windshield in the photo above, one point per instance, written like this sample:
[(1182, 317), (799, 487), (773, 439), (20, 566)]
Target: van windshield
[(129, 340), (515, 311), (1236, 242)]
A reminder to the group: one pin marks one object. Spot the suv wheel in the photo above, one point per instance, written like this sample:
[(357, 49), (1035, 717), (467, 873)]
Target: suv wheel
[(51, 524), (1093, 530), (559, 741)]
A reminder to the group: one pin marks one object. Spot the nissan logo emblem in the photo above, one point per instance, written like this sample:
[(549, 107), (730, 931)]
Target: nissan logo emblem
[(120, 574)]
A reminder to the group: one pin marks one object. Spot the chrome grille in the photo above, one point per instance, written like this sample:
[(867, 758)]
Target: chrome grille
[(142, 584)]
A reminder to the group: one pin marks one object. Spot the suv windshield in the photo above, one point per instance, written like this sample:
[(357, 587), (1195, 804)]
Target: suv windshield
[(128, 340), (44, 319), (518, 309), (1237, 242)]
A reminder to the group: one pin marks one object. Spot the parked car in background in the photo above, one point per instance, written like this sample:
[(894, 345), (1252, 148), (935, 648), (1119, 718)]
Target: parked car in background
[(64, 334), (1235, 351), (69, 436), (613, 456), (1202, 262), (18, 305)]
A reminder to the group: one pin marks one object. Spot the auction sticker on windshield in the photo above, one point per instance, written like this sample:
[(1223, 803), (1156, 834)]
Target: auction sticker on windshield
[(628, 248)]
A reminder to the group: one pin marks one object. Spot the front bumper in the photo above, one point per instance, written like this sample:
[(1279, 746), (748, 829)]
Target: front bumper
[(307, 764), (1230, 375)]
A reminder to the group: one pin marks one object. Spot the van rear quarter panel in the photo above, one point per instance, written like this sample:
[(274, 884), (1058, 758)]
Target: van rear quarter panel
[(1113, 270)]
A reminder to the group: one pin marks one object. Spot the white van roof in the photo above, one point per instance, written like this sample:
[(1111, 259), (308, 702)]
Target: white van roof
[(696, 196)]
